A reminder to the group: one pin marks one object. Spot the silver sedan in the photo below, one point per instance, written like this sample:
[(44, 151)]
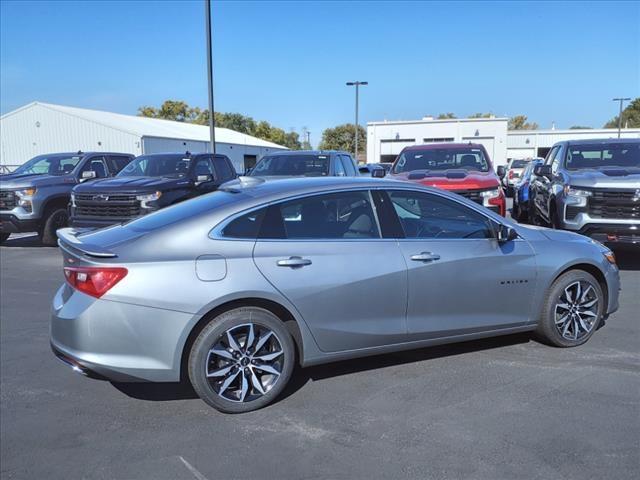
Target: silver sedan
[(231, 289)]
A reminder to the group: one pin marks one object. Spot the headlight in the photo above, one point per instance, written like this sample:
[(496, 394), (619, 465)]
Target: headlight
[(576, 192), (609, 255), (490, 193), (24, 198), (26, 192), (149, 197)]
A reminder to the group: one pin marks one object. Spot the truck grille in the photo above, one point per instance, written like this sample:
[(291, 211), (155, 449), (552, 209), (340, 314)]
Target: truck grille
[(7, 200), (106, 205), (618, 204)]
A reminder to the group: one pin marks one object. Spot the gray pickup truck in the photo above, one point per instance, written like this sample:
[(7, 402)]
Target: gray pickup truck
[(591, 187), (35, 197)]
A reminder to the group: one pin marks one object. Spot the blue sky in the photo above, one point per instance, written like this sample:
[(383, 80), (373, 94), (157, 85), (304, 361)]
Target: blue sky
[(286, 62)]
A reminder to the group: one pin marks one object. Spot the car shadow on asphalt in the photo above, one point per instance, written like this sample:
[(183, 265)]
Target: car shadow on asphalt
[(628, 259), (28, 241), (301, 376)]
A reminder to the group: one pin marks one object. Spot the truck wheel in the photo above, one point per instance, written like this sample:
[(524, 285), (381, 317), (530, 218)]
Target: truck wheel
[(56, 218), (4, 236)]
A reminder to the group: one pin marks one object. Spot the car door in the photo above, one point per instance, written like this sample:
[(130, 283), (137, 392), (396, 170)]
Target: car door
[(324, 253), (460, 279)]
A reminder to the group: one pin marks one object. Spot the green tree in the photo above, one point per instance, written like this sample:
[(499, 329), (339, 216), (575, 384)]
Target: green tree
[(343, 137), (481, 115), (445, 116), (630, 116), (519, 122)]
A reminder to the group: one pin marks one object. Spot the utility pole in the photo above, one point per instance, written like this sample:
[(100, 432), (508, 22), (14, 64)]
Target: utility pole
[(357, 85), (621, 100), (308, 135), (212, 121)]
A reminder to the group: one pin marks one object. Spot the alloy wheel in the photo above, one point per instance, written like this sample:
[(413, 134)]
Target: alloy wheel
[(576, 312), (245, 362)]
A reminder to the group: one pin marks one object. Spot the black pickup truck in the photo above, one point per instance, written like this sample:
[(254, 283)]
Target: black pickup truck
[(148, 183)]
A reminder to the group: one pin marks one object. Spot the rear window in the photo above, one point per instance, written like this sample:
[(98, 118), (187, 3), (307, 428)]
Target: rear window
[(519, 163), (438, 159), (183, 211), (292, 165)]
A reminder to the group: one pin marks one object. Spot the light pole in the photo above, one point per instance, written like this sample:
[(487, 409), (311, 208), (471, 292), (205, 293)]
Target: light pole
[(357, 85), (212, 129), (620, 114)]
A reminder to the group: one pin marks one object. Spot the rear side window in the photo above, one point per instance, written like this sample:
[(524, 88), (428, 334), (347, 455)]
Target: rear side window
[(423, 215), (224, 169), (246, 226), (344, 215)]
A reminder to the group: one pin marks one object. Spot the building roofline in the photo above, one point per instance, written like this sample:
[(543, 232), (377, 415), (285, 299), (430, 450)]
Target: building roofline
[(441, 120), (572, 130)]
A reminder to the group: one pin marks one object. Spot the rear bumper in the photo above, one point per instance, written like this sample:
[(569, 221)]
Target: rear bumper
[(9, 223), (117, 341)]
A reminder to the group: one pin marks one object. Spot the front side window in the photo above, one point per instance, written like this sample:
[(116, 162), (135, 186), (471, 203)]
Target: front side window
[(203, 166), (118, 163), (619, 155), (428, 216), (439, 159), (306, 165), (339, 168), (97, 165), (157, 165), (224, 169), (347, 163), (49, 165), (344, 215)]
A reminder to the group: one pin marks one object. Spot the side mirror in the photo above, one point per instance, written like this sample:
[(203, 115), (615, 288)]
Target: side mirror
[(506, 233), (502, 171), (88, 175), (203, 179), (378, 173), (542, 171)]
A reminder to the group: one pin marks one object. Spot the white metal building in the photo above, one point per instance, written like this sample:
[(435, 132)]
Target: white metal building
[(537, 143), (39, 128), (386, 139)]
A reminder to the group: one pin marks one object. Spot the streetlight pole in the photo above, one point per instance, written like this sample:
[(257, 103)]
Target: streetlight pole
[(357, 85), (212, 129), (620, 114)]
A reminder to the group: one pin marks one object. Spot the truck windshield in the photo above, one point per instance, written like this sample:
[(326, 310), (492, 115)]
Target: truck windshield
[(292, 165), (172, 165), (622, 155), (60, 164), (442, 159)]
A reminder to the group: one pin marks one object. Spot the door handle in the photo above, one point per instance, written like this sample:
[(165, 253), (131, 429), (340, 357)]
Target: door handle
[(294, 262), (425, 257)]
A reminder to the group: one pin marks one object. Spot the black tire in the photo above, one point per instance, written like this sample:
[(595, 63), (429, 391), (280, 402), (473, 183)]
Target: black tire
[(4, 237), (55, 218), (549, 331), (202, 362), (553, 217), (516, 213)]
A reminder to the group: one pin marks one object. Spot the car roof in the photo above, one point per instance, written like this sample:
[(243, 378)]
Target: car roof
[(434, 146), (307, 152), (184, 154), (601, 141)]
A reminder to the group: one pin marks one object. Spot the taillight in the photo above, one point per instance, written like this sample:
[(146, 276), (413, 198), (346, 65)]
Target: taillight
[(94, 281), (510, 174), (495, 198)]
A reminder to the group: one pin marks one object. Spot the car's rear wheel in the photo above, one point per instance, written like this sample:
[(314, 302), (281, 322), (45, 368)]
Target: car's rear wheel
[(242, 360), (4, 237), (55, 219), (573, 309)]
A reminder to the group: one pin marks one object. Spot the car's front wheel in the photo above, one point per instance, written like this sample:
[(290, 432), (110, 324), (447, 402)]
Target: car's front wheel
[(242, 360), (573, 309)]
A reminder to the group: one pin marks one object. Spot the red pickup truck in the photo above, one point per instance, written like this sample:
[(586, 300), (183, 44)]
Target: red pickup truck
[(463, 168)]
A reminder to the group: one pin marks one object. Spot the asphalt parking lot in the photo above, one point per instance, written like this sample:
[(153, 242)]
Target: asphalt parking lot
[(493, 409)]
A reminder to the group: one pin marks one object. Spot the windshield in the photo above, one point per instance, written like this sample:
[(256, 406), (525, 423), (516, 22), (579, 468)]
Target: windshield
[(292, 165), (172, 165), (442, 159), (519, 163), (623, 155), (60, 164)]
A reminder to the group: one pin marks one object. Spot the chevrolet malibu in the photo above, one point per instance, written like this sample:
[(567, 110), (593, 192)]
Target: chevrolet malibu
[(232, 289)]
